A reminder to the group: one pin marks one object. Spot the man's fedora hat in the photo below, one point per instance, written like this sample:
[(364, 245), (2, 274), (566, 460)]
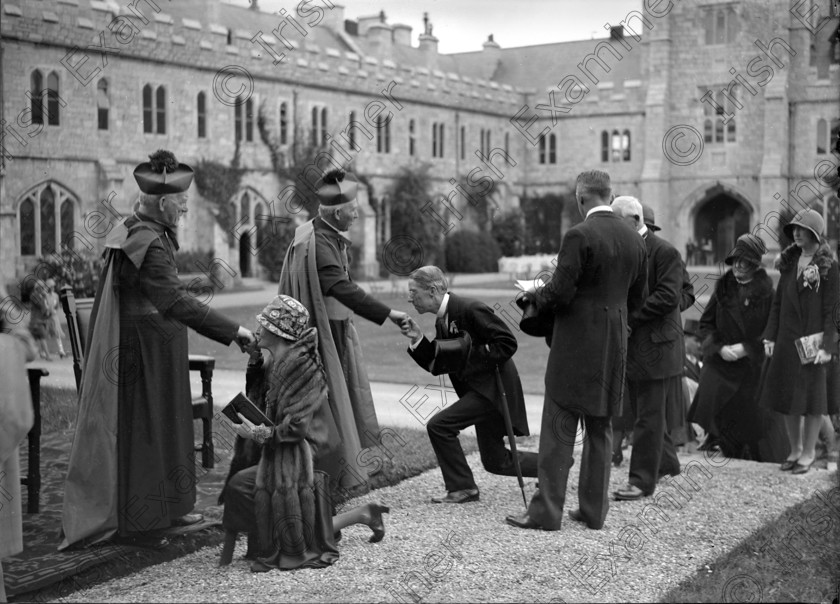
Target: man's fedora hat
[(336, 187), (807, 219), (650, 218), (162, 174)]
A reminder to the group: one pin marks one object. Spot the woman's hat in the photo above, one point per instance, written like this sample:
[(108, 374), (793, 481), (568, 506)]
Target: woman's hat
[(336, 187), (749, 248), (284, 317), (162, 174), (807, 219)]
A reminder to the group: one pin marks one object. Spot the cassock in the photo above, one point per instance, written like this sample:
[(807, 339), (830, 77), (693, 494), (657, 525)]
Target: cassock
[(132, 462), (316, 272)]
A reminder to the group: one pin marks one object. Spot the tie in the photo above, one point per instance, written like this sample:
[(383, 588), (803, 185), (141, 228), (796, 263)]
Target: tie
[(442, 328)]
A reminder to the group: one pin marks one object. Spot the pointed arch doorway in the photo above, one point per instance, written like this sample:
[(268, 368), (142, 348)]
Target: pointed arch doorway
[(720, 217)]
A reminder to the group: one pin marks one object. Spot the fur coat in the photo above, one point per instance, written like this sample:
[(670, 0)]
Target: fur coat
[(289, 390)]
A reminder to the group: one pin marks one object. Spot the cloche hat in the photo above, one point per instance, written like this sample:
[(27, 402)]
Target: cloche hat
[(807, 219), (749, 247), (284, 317)]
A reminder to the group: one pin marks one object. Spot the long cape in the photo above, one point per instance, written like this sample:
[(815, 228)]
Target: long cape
[(350, 400), (91, 490)]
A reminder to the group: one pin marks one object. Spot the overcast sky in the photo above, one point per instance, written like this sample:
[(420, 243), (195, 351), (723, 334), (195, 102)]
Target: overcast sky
[(463, 25)]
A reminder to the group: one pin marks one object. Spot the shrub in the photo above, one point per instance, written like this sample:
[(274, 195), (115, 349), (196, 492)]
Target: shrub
[(509, 232), (78, 269), (193, 261), (415, 234), (471, 252), (274, 239), (544, 222)]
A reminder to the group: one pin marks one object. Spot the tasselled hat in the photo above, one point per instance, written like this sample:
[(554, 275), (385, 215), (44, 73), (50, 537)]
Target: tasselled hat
[(163, 175), (336, 187)]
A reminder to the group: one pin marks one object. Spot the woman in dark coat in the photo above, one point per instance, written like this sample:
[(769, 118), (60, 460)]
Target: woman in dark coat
[(273, 492), (730, 330), (804, 305)]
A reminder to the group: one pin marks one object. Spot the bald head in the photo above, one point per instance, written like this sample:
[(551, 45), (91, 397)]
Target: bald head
[(630, 209)]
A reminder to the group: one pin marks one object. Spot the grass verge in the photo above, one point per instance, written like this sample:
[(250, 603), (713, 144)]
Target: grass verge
[(384, 348)]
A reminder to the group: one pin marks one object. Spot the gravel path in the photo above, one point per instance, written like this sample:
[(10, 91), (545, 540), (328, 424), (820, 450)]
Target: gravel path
[(467, 552)]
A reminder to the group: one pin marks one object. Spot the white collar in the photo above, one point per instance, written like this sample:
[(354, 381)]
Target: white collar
[(444, 305), (603, 208), (643, 230)]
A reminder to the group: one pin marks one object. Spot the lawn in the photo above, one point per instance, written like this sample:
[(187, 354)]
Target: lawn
[(384, 348)]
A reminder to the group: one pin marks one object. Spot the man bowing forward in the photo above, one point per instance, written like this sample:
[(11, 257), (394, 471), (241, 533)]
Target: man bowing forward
[(488, 345)]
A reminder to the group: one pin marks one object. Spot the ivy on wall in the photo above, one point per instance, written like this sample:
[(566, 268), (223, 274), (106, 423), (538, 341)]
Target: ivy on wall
[(218, 183)]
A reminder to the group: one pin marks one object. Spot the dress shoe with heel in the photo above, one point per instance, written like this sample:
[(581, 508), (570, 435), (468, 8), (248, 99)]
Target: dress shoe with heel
[(799, 468), (462, 496), (629, 493), (788, 465), (376, 523), (524, 522)]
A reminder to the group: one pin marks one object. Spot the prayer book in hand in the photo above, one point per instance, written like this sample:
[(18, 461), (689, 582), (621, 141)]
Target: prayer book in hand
[(808, 346), (242, 404)]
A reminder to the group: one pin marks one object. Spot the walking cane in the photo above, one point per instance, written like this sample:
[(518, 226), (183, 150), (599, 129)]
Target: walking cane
[(511, 438)]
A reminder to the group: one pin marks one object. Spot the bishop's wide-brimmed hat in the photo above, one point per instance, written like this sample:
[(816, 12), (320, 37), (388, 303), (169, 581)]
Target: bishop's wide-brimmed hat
[(163, 175), (336, 187)]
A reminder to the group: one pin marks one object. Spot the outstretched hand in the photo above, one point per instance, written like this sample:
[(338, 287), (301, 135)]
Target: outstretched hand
[(398, 317), (411, 329), (246, 340)]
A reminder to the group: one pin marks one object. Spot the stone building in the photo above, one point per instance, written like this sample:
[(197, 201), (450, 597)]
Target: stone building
[(713, 113)]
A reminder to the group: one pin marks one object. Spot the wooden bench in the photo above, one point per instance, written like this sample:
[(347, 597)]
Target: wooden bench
[(78, 314)]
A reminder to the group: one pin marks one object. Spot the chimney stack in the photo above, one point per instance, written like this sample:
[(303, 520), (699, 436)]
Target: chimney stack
[(379, 35), (334, 18), (402, 34)]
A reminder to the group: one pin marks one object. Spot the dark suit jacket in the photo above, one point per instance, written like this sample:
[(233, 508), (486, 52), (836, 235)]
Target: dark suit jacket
[(656, 348), (600, 276), (492, 344)]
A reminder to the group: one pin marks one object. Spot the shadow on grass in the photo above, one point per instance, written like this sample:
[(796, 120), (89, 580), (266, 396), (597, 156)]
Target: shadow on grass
[(795, 558)]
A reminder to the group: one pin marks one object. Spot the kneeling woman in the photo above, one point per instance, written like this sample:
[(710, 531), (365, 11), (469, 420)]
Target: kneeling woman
[(272, 492)]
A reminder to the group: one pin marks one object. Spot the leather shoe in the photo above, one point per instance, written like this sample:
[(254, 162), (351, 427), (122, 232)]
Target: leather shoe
[(462, 496), (187, 520), (801, 469), (629, 493), (577, 515), (787, 465), (524, 522)]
